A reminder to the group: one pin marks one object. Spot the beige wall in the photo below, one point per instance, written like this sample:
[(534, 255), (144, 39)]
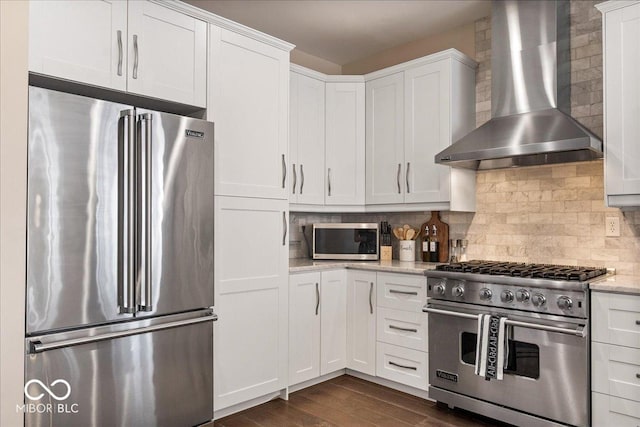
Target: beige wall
[(315, 63), (13, 173), (461, 38)]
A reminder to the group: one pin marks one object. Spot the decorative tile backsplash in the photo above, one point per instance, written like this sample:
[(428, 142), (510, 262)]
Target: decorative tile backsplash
[(544, 214)]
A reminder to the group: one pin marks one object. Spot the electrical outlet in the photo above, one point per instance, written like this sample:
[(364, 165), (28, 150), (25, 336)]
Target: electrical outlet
[(612, 226)]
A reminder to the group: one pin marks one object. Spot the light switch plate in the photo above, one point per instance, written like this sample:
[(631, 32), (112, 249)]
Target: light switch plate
[(612, 226)]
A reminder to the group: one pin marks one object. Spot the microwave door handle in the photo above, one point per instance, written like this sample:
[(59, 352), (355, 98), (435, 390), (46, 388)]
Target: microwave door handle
[(126, 212), (580, 331), (144, 209)]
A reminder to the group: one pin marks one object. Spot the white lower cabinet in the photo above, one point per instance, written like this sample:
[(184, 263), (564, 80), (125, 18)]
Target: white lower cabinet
[(402, 365), (317, 324), (251, 299), (403, 328), (615, 359), (611, 411), (361, 321)]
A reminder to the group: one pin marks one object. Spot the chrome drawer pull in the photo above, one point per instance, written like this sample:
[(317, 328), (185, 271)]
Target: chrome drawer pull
[(413, 368), (638, 376), (393, 291), (403, 329), (638, 322)]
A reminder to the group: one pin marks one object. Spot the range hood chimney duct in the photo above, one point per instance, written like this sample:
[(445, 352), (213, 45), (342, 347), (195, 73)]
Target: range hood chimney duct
[(530, 94)]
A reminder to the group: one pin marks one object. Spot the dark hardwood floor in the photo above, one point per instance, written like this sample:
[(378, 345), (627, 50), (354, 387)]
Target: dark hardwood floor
[(352, 402)]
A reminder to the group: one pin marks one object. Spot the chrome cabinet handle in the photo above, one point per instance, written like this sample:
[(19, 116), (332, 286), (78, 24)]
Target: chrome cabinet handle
[(394, 291), (371, 298), (638, 376), (413, 368), (126, 212), (317, 298), (638, 322), (398, 328), (329, 180), (301, 179), (407, 177), (295, 178), (580, 331), (135, 56), (398, 177), (144, 210), (284, 227), (38, 347), (284, 171), (119, 52)]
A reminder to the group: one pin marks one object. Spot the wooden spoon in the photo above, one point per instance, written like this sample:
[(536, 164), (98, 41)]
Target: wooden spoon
[(410, 234), (399, 233)]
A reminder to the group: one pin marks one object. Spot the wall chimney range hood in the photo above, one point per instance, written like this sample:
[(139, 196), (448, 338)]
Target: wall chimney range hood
[(530, 94)]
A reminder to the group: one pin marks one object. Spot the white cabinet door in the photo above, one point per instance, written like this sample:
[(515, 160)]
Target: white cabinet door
[(248, 100), (622, 105), (306, 147), (385, 170), (251, 299), (427, 101), (361, 321), (333, 332), (344, 151), (304, 327), (84, 41), (167, 54)]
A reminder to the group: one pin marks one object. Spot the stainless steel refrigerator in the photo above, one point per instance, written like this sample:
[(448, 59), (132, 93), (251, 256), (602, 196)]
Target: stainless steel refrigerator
[(119, 317)]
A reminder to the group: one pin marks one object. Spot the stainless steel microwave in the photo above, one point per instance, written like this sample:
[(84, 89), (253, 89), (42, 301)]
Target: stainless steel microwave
[(351, 241)]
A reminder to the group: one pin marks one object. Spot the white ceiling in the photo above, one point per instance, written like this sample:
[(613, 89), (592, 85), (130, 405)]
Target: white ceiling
[(343, 31)]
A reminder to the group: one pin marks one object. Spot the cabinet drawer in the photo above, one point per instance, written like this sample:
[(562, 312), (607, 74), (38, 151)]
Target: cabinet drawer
[(402, 291), (402, 365), (613, 411), (402, 328), (616, 319), (616, 370)]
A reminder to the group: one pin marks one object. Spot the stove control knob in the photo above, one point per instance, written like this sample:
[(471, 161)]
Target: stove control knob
[(458, 291), (506, 296), (565, 303), (485, 294), (523, 295), (538, 300), (438, 289)]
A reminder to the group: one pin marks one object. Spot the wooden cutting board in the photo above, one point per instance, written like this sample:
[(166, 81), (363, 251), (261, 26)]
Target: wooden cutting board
[(443, 234)]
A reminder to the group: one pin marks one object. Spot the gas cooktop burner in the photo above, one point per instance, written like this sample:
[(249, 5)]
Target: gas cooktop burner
[(545, 271)]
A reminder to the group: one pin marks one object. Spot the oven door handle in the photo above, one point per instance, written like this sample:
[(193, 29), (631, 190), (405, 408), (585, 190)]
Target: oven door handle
[(579, 331)]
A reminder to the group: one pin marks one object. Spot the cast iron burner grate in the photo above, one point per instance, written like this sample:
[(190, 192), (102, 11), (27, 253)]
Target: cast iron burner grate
[(545, 271)]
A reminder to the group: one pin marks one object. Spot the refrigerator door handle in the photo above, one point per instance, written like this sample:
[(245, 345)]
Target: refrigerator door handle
[(144, 211), (126, 212), (36, 346)]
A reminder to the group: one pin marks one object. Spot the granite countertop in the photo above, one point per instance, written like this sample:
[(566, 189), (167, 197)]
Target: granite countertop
[(618, 283), (299, 265)]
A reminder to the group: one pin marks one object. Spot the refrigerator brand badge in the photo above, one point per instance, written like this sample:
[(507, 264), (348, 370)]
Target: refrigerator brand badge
[(194, 133), (447, 376)]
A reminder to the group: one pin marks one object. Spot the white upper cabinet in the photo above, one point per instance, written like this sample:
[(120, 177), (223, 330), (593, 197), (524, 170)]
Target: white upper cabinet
[(84, 41), (415, 110), (621, 23), (385, 140), (345, 138), (167, 54), (135, 46), (248, 102), (306, 140)]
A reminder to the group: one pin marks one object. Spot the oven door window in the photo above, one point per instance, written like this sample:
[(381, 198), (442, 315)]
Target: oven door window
[(524, 358)]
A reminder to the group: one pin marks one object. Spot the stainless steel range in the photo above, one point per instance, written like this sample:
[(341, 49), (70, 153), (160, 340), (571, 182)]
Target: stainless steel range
[(546, 373)]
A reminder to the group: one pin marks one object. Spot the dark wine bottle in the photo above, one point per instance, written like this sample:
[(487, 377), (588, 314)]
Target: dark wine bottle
[(425, 244), (434, 246)]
